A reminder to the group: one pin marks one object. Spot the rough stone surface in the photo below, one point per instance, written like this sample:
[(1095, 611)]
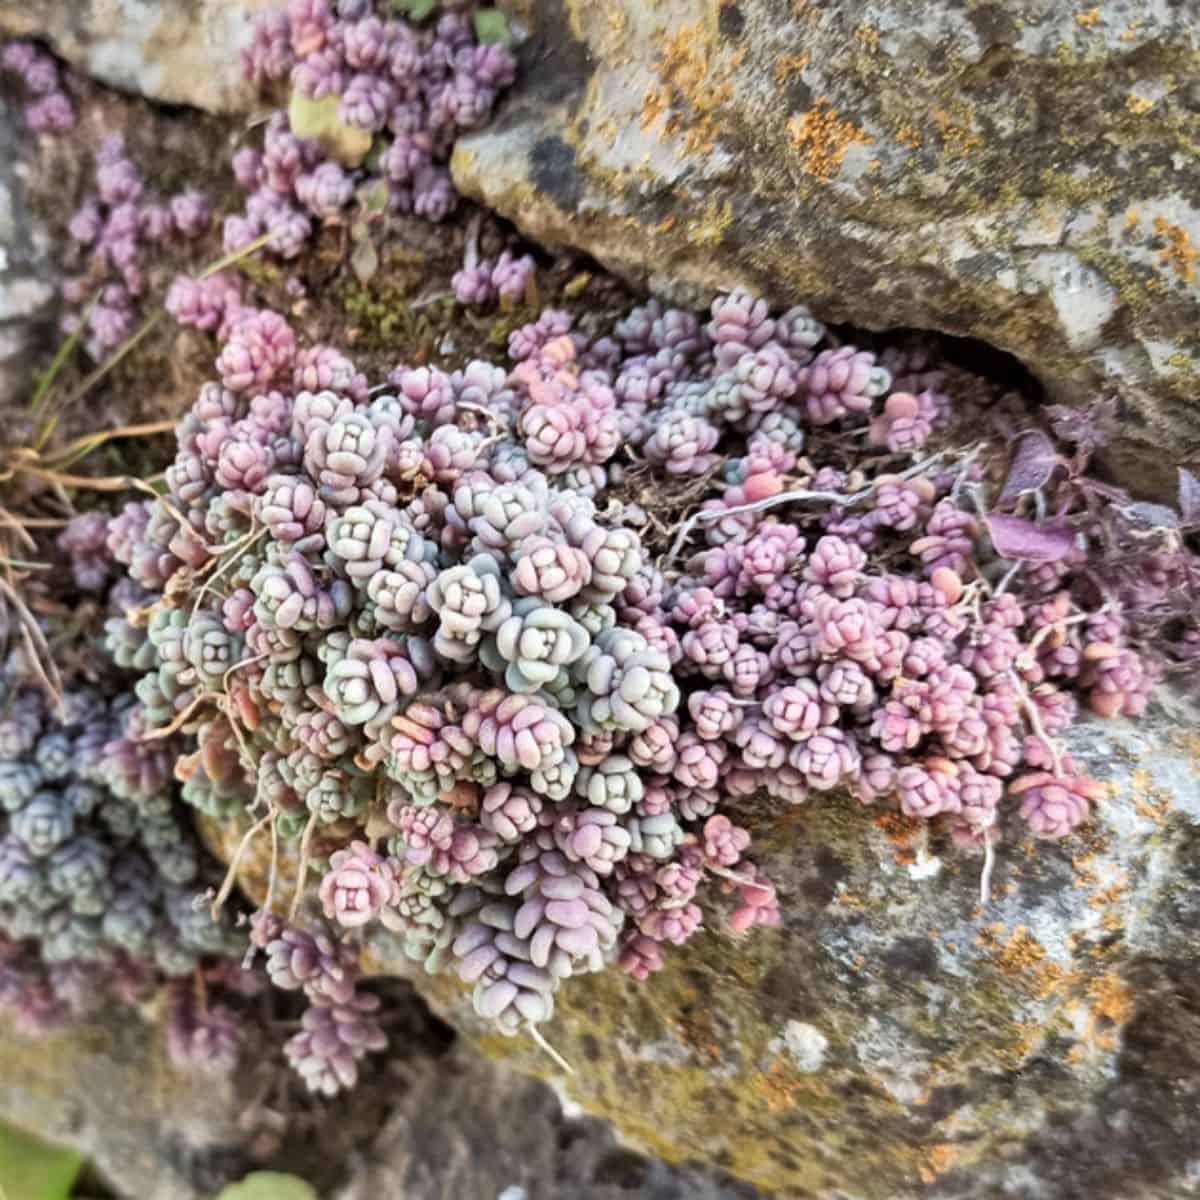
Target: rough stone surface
[(466, 1129), (1024, 173), (27, 280), (108, 1090), (895, 1040), (457, 1127), (177, 51)]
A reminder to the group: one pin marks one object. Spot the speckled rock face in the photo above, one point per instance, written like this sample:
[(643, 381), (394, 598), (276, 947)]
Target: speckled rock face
[(177, 51), (27, 280), (897, 1040), (107, 1090), (1025, 172), (456, 1127)]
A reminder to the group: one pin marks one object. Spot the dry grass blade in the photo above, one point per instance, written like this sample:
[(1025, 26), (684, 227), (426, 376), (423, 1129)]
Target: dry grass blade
[(41, 661)]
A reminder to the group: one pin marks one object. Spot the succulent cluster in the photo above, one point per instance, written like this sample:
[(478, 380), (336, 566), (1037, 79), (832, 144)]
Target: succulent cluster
[(507, 279), (340, 1026), (403, 631), (49, 108), (99, 870), (371, 99), (112, 233)]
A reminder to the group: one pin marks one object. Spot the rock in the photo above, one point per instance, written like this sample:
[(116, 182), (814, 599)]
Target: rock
[(463, 1127), (896, 1040), (176, 51), (455, 1126), (1020, 173), (27, 280), (107, 1090)]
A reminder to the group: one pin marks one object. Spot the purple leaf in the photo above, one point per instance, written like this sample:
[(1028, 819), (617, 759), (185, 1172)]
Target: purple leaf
[(1189, 497), (1014, 537), (1159, 516), (1032, 466)]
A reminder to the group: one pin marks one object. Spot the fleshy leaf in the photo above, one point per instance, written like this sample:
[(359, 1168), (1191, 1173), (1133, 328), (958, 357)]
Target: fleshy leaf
[(1159, 516), (312, 118), (30, 1167), (414, 10), (1014, 537), (269, 1185), (491, 27), (1189, 497), (375, 197), (318, 120), (1087, 427), (1032, 467), (364, 260)]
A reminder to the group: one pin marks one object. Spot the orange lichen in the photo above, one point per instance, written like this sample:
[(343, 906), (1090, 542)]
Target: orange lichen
[(909, 136), (1179, 253), (1138, 104), (693, 78), (823, 138), (1111, 894), (1132, 218), (777, 1092), (1089, 19), (867, 35), (1024, 959), (1085, 875), (653, 106), (788, 65), (938, 1160), (958, 128), (900, 829), (1112, 998)]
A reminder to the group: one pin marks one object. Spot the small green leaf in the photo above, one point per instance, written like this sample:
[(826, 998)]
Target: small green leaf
[(312, 118), (33, 1170), (364, 261), (318, 120), (375, 197), (491, 27), (414, 10), (269, 1185)]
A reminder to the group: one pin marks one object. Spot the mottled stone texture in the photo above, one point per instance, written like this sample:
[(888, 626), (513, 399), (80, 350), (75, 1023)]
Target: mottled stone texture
[(895, 1040), (455, 1127), (27, 280), (1024, 172), (466, 1129), (108, 1090), (178, 51)]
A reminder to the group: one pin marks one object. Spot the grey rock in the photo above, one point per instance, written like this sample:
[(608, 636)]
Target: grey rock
[(466, 1129), (896, 1039), (27, 278), (1020, 173), (107, 1090), (177, 51), (428, 1123)]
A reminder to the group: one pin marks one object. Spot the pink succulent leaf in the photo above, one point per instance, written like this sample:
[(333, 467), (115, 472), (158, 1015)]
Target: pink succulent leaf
[(1014, 537)]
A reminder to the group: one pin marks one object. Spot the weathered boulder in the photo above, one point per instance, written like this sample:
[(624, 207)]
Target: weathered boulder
[(27, 278), (895, 1039), (108, 1090), (1024, 173), (177, 51), (443, 1125), (462, 1128)]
